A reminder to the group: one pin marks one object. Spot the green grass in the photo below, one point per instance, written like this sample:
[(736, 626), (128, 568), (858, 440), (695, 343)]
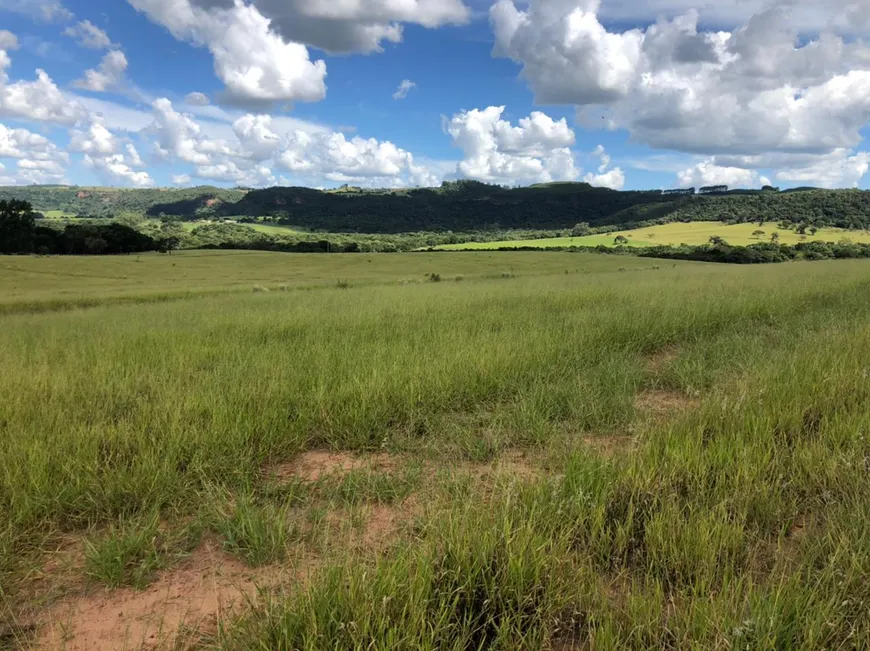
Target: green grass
[(130, 552), (738, 522), (256, 533), (33, 284), (674, 234)]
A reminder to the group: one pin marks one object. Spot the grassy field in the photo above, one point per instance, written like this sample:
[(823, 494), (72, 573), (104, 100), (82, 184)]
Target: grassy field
[(269, 229), (675, 234), (653, 458), (35, 284)]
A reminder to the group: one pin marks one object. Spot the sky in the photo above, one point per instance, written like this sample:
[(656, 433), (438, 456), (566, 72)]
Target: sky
[(406, 93)]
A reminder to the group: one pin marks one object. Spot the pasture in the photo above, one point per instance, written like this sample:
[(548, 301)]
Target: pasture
[(533, 451), (676, 233)]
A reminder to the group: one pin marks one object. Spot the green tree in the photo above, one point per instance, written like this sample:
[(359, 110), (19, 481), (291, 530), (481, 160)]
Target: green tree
[(581, 230), (717, 240), (758, 234), (17, 227), (620, 240), (774, 238)]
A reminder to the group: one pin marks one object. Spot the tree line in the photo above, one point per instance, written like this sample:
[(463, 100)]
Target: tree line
[(461, 206), (19, 233), (722, 252)]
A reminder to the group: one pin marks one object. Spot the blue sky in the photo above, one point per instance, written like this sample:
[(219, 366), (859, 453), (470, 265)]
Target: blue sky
[(674, 93)]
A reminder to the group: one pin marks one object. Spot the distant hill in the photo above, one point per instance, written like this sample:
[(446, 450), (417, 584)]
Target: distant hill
[(460, 206), (112, 202)]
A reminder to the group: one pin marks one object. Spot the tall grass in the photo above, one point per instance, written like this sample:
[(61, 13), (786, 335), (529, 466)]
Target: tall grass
[(729, 525)]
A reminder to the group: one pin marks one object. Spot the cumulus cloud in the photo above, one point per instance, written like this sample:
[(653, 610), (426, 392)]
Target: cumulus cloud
[(108, 155), (37, 159), (840, 169), (354, 25), (8, 40), (50, 11), (179, 136), (181, 179), (607, 177), (24, 144), (709, 173), (261, 143), (536, 150), (404, 88), (260, 48), (39, 100), (197, 99), (760, 87), (116, 167), (253, 61), (107, 76), (89, 35)]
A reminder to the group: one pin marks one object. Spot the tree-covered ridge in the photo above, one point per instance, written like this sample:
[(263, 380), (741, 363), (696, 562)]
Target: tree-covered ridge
[(462, 206), (113, 202)]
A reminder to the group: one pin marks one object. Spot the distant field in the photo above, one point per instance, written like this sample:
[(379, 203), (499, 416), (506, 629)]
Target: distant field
[(674, 234), (270, 229), (29, 281), (57, 214)]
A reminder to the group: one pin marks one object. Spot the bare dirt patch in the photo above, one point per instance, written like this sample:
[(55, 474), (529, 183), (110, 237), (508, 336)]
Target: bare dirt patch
[(519, 464), (313, 465), (662, 402), (386, 523), (661, 358), (207, 586)]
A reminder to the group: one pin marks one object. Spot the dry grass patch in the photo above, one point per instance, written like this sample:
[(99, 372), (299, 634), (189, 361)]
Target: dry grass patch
[(662, 402), (661, 359), (314, 465)]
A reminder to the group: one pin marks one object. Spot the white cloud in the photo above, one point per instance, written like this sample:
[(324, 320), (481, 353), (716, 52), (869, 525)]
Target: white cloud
[(606, 177), (39, 100), (89, 35), (256, 144), (108, 76), (104, 153), (260, 48), (180, 137), (254, 62), (181, 179), (351, 25), (37, 159), (197, 99), (133, 156), (760, 87), (49, 11), (836, 170), (709, 173), (229, 172), (257, 139), (537, 150), (8, 40), (24, 144), (404, 88), (115, 167), (331, 156)]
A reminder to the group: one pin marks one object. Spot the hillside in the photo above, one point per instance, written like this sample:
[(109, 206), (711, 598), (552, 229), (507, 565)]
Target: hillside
[(112, 202), (460, 206)]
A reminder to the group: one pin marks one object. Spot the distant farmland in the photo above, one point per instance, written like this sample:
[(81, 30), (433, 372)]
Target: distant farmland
[(677, 233)]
